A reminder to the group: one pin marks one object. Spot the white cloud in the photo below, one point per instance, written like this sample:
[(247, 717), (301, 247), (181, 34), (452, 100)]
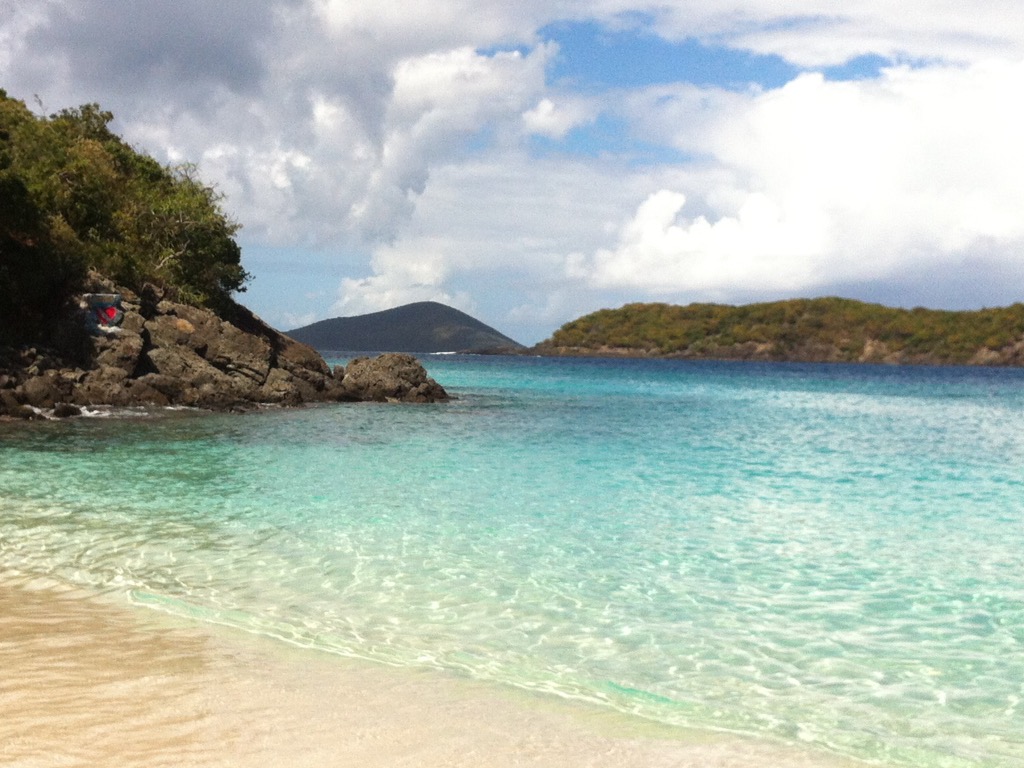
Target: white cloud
[(402, 275), (763, 246), (824, 182), (439, 99), (501, 224), (396, 137), (555, 120), (817, 33)]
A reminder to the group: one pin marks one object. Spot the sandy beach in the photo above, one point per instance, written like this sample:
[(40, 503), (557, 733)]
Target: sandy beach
[(90, 682)]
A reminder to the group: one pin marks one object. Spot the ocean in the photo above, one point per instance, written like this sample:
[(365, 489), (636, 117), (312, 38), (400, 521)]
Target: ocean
[(830, 556)]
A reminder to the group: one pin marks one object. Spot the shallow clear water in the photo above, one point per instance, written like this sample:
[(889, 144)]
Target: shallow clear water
[(831, 555)]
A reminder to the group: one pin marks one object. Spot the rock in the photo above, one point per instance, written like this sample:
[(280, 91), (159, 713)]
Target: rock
[(66, 410), (133, 321), (102, 386), (172, 389), (167, 330), (240, 354), (119, 351), (97, 283), (143, 392), (8, 401), (281, 388), (168, 353), (390, 377), (44, 390), (25, 412), (180, 362), (215, 398), (149, 299)]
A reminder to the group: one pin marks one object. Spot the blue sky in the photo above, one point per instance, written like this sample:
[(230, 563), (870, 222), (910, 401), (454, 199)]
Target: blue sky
[(531, 162), (592, 57)]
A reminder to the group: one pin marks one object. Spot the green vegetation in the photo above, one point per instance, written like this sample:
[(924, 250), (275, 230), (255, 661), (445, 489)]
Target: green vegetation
[(75, 197), (828, 329)]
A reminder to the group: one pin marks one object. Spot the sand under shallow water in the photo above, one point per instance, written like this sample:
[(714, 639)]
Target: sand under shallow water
[(87, 682)]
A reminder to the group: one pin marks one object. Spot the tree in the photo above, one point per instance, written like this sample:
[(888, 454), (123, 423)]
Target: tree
[(75, 196)]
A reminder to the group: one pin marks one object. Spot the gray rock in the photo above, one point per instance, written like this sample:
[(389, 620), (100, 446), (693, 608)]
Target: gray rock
[(170, 387), (102, 386), (119, 351), (390, 377), (180, 362), (167, 353), (280, 388), (44, 390), (241, 354), (133, 322), (166, 330), (142, 392)]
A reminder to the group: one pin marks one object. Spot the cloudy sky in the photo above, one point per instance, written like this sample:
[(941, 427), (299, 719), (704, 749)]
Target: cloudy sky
[(535, 160)]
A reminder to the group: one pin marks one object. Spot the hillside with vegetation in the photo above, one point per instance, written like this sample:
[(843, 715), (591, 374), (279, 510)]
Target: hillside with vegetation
[(424, 326), (808, 330), (75, 197), (116, 283)]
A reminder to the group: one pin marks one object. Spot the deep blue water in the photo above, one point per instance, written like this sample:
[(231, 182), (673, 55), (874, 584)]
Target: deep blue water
[(828, 555)]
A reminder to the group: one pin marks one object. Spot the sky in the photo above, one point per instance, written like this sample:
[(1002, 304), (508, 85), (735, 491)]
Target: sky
[(529, 162)]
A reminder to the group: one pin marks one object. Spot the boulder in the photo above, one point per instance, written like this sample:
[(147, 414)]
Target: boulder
[(279, 389), (119, 351), (8, 401), (44, 390), (24, 412), (66, 411), (102, 386), (143, 392), (166, 330), (181, 363), (390, 377), (239, 354), (172, 389)]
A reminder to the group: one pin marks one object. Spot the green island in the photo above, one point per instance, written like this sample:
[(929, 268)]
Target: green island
[(117, 277), (799, 330)]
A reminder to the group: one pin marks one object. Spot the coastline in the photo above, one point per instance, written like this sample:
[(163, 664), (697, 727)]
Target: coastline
[(91, 681)]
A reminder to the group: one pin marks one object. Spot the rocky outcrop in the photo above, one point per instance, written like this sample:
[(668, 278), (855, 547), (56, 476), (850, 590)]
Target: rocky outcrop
[(393, 376), (168, 353)]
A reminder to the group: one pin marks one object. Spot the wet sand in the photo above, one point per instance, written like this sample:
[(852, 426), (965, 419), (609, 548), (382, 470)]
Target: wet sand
[(90, 682)]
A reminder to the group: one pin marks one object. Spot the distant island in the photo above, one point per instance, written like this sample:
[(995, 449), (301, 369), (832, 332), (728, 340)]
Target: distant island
[(424, 326), (799, 330)]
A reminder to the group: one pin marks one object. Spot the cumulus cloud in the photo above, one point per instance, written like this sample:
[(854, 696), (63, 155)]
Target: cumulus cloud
[(319, 120), (763, 246), (501, 224), (825, 182), (554, 119), (400, 141)]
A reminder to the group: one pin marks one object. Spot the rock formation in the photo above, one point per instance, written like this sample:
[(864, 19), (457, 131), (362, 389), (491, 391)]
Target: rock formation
[(167, 353)]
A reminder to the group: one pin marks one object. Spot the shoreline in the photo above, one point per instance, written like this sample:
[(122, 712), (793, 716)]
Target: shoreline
[(89, 681)]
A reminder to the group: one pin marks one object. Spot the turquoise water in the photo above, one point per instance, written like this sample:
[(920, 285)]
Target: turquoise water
[(827, 555)]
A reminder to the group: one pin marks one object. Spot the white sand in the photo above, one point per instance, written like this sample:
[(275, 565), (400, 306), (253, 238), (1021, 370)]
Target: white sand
[(85, 682)]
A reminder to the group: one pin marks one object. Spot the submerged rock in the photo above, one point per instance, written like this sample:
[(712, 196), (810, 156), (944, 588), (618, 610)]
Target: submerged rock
[(66, 411)]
